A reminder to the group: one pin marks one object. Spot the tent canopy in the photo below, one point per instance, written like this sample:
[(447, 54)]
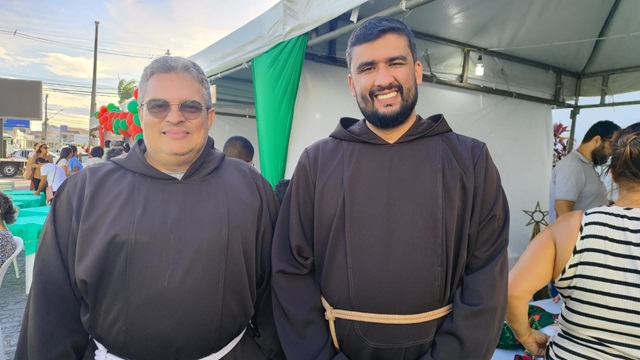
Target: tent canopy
[(546, 51)]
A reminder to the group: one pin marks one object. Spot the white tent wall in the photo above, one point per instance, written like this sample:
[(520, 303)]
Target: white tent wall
[(225, 127), (518, 134)]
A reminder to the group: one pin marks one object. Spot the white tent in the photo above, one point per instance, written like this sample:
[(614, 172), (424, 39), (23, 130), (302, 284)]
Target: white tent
[(536, 55)]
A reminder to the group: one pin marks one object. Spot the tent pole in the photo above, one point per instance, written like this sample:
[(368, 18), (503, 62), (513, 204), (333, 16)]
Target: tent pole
[(574, 115), (392, 11)]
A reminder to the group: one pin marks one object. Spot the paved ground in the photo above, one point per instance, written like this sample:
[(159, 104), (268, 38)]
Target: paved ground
[(12, 304), (12, 296)]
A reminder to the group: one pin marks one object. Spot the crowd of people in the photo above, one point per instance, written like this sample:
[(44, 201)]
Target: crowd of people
[(196, 256), (43, 172)]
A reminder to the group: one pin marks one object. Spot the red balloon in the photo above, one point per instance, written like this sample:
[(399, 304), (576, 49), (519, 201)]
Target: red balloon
[(111, 115), (124, 133), (135, 93), (135, 128), (103, 109), (129, 119)]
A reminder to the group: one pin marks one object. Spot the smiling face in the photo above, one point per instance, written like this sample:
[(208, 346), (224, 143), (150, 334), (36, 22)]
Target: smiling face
[(174, 143), (384, 78)]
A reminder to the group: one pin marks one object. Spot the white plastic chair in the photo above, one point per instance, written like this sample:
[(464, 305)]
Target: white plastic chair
[(19, 245)]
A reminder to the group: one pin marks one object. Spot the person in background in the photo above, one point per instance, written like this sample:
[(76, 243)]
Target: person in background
[(31, 162), (75, 164), (394, 218), (114, 152), (51, 175), (95, 156), (281, 189), (42, 152), (593, 259), (178, 265), (65, 154), (575, 183), (8, 215), (126, 147), (239, 147)]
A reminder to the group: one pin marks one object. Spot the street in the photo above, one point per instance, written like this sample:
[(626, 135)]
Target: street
[(17, 181)]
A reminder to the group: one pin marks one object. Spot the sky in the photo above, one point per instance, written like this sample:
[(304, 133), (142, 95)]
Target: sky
[(621, 115), (53, 41)]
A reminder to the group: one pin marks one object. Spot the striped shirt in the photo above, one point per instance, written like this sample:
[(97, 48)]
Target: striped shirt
[(600, 287)]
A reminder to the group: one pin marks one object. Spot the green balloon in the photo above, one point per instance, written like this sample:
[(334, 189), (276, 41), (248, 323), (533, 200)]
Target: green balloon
[(136, 119), (138, 136), (112, 107), (95, 114), (123, 124), (116, 127), (133, 106)]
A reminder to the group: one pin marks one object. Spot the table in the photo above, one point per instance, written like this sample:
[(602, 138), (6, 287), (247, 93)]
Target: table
[(547, 304), (29, 229), (40, 210), (26, 199)]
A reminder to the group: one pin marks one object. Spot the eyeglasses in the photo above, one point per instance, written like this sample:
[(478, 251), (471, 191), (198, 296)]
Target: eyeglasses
[(45, 148), (160, 108)]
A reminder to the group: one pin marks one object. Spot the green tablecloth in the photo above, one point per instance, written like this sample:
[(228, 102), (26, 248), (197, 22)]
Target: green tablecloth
[(29, 229), (25, 199), (29, 201), (19, 192), (34, 211)]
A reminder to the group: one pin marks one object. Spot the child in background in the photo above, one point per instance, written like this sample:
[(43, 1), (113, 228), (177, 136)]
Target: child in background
[(8, 216)]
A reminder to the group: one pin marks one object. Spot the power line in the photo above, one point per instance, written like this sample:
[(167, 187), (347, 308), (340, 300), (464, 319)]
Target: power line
[(87, 40), (69, 45)]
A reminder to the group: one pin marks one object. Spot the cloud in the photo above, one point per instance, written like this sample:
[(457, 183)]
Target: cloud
[(4, 56), (73, 66)]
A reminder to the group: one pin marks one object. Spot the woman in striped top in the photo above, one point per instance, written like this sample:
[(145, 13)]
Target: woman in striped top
[(594, 260)]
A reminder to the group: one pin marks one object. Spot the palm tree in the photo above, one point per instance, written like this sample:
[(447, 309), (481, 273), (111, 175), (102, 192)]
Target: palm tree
[(125, 90)]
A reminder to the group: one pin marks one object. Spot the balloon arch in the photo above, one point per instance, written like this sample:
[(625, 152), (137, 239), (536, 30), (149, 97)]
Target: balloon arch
[(123, 123)]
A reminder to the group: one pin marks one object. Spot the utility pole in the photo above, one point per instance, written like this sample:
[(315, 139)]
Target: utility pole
[(46, 119), (93, 122)]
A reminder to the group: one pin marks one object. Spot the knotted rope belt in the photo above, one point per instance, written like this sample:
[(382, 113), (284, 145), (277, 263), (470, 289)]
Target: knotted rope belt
[(103, 354), (332, 314)]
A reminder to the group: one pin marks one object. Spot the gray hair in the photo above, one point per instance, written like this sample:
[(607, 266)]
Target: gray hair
[(175, 64)]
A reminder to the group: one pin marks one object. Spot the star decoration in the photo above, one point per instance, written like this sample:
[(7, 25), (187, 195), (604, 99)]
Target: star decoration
[(537, 216)]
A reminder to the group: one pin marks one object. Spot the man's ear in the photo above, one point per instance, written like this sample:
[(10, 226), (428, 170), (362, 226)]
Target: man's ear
[(597, 140), (352, 86)]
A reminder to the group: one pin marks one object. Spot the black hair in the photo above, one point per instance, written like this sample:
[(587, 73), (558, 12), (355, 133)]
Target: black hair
[(64, 153), (375, 28), (281, 189), (239, 147), (6, 207), (604, 128), (41, 160), (97, 152)]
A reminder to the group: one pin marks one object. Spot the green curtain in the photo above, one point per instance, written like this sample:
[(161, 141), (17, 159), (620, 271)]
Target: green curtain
[(276, 75)]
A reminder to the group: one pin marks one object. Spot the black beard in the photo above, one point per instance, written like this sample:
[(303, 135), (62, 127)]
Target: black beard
[(388, 121), (598, 156)]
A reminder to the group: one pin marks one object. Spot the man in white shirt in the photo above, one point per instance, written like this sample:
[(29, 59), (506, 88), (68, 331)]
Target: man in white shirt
[(49, 174), (95, 156)]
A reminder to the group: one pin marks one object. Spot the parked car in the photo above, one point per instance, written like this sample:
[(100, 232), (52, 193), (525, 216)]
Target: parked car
[(23, 154), (20, 154)]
